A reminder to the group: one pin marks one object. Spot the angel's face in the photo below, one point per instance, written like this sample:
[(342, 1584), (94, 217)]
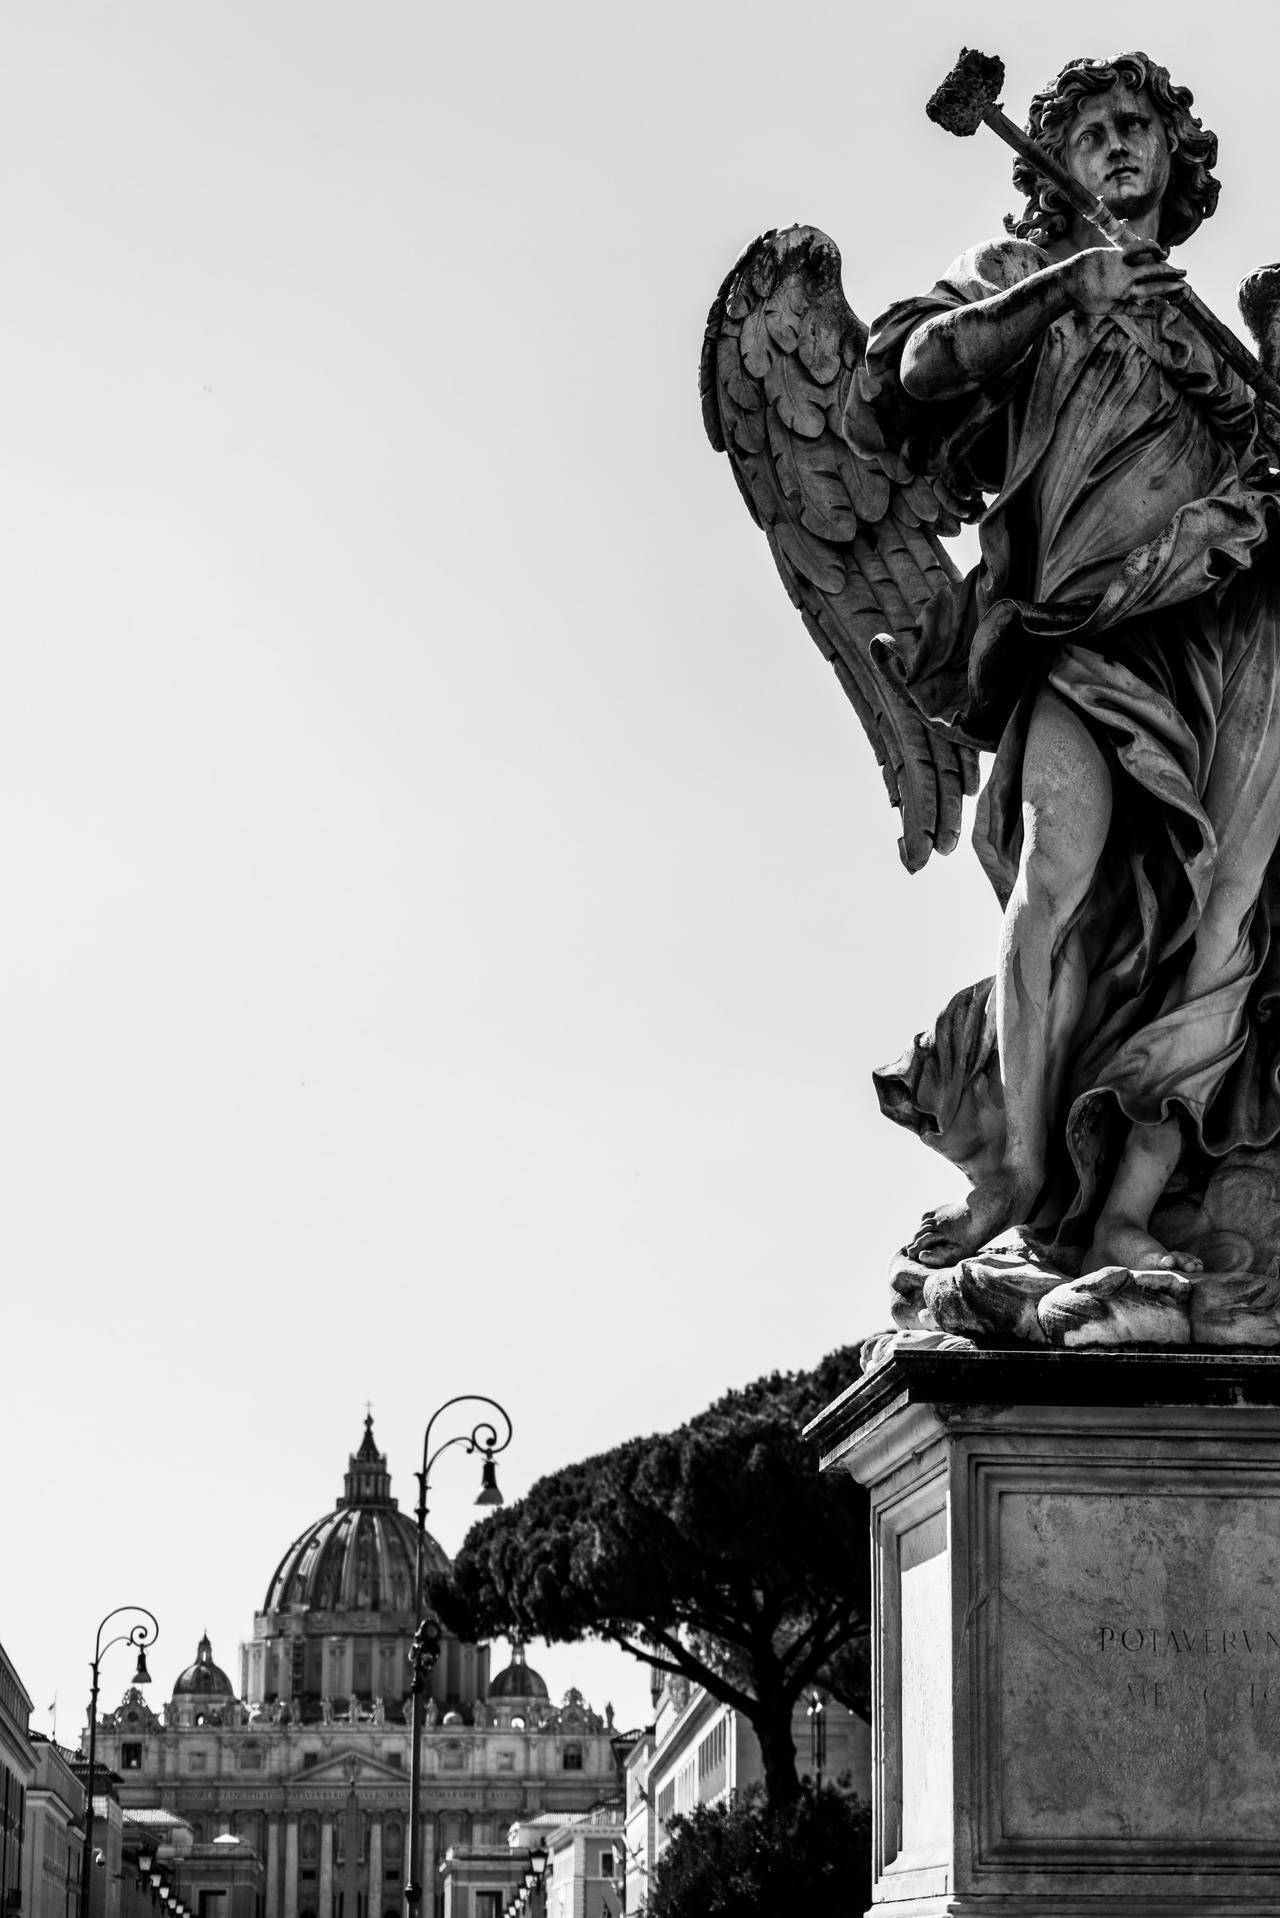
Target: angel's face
[(1118, 148)]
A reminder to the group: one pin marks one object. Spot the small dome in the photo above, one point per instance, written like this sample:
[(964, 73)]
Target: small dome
[(204, 1679), (360, 1556), (518, 1680)]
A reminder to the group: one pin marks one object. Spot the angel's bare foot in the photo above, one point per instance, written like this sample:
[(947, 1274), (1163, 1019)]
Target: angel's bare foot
[(953, 1232), (1120, 1240)]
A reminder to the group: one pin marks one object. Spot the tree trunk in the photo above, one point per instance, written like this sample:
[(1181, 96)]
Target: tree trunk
[(772, 1726)]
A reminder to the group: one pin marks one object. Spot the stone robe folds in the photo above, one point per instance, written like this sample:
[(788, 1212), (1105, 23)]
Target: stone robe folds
[(1129, 562)]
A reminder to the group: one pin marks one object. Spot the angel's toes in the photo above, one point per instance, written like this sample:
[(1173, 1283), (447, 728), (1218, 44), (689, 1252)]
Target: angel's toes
[(936, 1252)]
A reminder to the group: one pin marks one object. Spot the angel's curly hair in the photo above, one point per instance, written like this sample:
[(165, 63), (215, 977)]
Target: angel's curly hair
[(1192, 193)]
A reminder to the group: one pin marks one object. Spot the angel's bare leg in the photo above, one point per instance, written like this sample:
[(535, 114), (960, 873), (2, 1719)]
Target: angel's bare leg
[(1243, 801), (1121, 1236), (1066, 812)]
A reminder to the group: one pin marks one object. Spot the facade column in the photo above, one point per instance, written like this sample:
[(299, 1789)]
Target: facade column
[(427, 1853), (373, 1905), (272, 1906), (291, 1865), (326, 1869)]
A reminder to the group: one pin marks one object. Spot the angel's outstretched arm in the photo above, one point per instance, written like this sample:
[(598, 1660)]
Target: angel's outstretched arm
[(960, 350)]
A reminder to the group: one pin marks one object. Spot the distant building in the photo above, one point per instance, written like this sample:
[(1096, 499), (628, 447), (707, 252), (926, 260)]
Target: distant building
[(17, 1775), (640, 1825), (54, 1838), (583, 1877), (586, 1869), (308, 1765), (699, 1751), (106, 1877)]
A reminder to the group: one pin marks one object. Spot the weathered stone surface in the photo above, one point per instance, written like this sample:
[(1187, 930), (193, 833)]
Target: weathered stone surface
[(996, 1297), (1235, 1310), (1017, 1291), (1118, 1307), (1077, 1630)]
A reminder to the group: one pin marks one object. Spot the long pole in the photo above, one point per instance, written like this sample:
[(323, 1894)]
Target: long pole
[(427, 1637), (86, 1861), (136, 1635)]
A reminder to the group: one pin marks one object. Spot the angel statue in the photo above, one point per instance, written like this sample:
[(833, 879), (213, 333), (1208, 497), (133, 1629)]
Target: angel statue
[(1112, 1092)]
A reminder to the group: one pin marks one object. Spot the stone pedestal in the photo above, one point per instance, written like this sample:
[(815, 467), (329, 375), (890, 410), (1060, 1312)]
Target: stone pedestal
[(1077, 1631)]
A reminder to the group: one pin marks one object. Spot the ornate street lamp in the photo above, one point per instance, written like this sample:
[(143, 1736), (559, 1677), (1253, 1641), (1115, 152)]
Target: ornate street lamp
[(816, 1710), (423, 1653), (141, 1636), (536, 1876)]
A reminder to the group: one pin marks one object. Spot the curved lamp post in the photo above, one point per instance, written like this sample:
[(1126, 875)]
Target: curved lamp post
[(815, 1707), (483, 1437), (140, 1635)]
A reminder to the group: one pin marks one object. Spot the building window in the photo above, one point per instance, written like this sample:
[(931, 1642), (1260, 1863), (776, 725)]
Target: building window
[(488, 1904), (572, 1759), (606, 1864), (309, 1759), (506, 1761), (131, 1756), (197, 1761), (393, 1759), (713, 1760)]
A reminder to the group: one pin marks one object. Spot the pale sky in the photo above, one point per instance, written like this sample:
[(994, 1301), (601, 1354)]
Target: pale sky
[(452, 910)]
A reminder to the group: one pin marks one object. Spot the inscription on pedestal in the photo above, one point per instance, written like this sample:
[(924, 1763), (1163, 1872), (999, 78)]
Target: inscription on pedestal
[(1134, 1639)]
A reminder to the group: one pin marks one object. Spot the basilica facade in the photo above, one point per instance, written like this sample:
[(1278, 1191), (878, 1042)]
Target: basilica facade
[(306, 1761)]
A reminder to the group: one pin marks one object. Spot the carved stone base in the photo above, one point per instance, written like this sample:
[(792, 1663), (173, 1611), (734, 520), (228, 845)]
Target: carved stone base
[(1123, 1907), (1076, 1574)]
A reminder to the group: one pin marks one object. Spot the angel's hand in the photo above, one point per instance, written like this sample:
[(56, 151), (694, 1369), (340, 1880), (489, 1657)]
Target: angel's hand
[(1102, 280)]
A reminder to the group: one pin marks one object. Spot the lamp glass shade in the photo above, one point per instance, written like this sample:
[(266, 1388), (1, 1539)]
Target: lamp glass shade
[(489, 1493), (540, 1859), (145, 1859), (142, 1676)]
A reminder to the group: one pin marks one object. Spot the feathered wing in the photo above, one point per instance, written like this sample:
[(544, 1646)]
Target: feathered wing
[(859, 553)]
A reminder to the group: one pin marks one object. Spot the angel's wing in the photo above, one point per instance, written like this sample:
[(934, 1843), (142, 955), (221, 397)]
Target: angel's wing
[(859, 553)]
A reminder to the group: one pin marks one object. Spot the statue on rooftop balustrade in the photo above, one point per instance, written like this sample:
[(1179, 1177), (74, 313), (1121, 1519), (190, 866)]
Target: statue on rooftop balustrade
[(1112, 1092)]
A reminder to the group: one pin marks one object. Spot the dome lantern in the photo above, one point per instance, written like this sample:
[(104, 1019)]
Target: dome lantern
[(368, 1481)]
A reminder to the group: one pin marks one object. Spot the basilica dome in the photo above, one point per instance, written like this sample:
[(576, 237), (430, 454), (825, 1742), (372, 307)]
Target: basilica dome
[(518, 1681), (360, 1556), (204, 1679), (335, 1633)]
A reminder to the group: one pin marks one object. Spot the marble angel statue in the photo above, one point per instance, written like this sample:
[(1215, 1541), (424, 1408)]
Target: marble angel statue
[(1116, 650)]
